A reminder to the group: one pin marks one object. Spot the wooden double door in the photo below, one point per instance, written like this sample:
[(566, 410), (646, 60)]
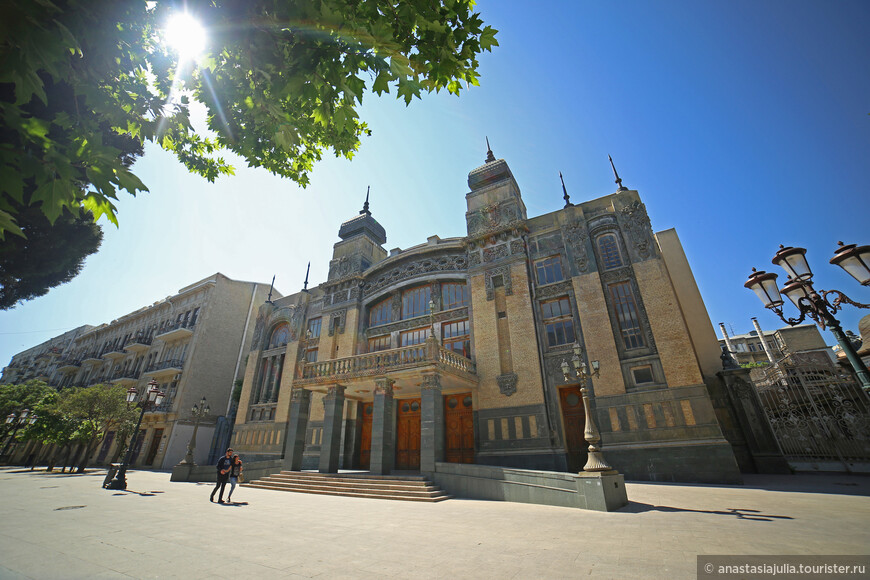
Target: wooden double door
[(574, 420), (459, 432)]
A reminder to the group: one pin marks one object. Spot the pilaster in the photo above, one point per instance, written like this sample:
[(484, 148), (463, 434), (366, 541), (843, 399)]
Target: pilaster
[(382, 451), (431, 423), (297, 425), (333, 415)]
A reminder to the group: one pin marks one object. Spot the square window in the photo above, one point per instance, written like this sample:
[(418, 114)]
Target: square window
[(642, 375), (549, 270)]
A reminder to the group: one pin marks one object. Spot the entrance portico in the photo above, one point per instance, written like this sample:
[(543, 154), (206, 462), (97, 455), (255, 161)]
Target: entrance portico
[(411, 438)]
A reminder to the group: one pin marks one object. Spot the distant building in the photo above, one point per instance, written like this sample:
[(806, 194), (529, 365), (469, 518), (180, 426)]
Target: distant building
[(359, 373), (191, 344), (767, 346)]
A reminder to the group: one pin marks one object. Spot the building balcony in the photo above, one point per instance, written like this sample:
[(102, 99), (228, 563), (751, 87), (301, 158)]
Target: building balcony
[(114, 353), (125, 378), (176, 331), (137, 345), (92, 358), (69, 365), (406, 366), (97, 381), (164, 368)]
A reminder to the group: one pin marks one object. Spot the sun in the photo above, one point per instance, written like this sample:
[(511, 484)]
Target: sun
[(185, 35)]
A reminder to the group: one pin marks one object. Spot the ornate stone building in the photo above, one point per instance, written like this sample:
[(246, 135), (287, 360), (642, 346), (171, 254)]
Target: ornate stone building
[(451, 350)]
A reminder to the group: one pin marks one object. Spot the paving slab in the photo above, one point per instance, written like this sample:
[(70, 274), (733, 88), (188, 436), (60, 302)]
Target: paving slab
[(66, 526)]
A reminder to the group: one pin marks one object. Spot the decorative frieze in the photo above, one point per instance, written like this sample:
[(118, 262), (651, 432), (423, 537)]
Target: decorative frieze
[(415, 268), (495, 253), (418, 322), (337, 320), (431, 381), (384, 386), (553, 290)]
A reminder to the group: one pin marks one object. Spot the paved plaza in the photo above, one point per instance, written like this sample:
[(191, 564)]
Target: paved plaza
[(67, 526)]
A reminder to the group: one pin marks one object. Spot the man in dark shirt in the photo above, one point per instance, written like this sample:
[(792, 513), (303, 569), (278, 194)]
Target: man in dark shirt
[(223, 475)]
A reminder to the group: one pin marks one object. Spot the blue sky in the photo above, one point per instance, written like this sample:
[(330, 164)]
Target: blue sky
[(742, 124)]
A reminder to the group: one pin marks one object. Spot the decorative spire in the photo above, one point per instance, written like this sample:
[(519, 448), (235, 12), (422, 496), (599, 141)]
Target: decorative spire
[(618, 180), (365, 209), (305, 286), (272, 285), (489, 156), (565, 192)]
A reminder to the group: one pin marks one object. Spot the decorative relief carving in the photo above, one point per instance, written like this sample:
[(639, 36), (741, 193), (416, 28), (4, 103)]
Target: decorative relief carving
[(495, 252), (384, 386), (408, 270), (337, 320), (505, 273), (636, 225), (296, 316), (490, 218), (299, 395), (333, 393), (258, 331), (418, 322), (431, 381), (517, 247), (741, 388), (576, 236), (507, 384), (553, 290), (474, 258)]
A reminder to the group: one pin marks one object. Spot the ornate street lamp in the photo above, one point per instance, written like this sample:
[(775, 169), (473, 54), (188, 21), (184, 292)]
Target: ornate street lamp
[(152, 399), (595, 461), (811, 303), (16, 421), (198, 412)]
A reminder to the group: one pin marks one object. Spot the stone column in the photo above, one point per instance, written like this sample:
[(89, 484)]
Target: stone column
[(763, 340), (727, 338), (757, 432), (383, 449), (297, 425), (431, 423), (333, 415)]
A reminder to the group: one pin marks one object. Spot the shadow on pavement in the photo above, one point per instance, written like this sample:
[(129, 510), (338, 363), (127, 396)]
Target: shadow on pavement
[(830, 483), (740, 513)]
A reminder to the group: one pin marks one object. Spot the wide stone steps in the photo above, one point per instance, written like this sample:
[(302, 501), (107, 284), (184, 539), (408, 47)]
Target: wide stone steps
[(395, 487)]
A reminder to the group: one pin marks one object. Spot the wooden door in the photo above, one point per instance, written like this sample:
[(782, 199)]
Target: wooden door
[(155, 445), (365, 450), (408, 435), (459, 423), (574, 420)]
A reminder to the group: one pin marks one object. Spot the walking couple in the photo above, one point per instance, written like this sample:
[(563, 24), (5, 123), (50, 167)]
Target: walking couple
[(229, 468)]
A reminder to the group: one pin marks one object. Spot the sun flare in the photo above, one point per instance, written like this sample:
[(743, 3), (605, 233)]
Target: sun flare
[(185, 35)]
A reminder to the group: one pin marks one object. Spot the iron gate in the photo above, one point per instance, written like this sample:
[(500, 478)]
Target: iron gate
[(818, 413)]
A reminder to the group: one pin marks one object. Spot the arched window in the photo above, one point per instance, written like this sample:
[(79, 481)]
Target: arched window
[(280, 336), (608, 249), (381, 312)]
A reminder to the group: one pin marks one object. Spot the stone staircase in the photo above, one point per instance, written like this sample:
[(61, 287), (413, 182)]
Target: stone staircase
[(395, 487)]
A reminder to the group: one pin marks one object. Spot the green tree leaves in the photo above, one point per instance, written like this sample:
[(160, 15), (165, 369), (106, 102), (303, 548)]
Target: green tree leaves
[(85, 83)]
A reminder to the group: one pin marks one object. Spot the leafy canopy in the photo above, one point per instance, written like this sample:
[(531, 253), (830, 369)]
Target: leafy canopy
[(281, 81)]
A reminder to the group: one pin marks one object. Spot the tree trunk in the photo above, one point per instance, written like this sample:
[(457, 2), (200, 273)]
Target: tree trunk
[(89, 450)]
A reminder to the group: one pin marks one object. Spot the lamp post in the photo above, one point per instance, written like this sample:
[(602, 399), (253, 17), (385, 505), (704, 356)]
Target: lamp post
[(596, 460), (153, 397), (811, 303), (17, 421), (198, 412)]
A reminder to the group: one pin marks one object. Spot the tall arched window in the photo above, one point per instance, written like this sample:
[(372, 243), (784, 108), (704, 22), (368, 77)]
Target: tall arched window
[(280, 336), (608, 250)]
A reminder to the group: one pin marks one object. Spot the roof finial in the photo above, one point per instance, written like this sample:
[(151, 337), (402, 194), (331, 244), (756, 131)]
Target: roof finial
[(489, 156), (305, 286), (618, 180), (565, 192), (272, 285), (365, 209)]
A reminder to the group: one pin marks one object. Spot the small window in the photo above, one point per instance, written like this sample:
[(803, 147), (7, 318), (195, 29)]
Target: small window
[(415, 302), (608, 249), (314, 328), (378, 343), (381, 312), (413, 337), (558, 321), (642, 375), (549, 270), (456, 338), (454, 295)]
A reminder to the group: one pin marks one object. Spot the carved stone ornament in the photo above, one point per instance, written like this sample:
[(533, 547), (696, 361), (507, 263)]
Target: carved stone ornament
[(553, 290), (415, 268), (384, 386), (491, 218), (337, 320), (517, 247), (507, 384), (258, 331), (494, 253), (431, 381), (636, 225), (575, 237), (474, 258), (505, 273), (298, 395), (296, 321), (741, 388), (417, 322), (334, 392)]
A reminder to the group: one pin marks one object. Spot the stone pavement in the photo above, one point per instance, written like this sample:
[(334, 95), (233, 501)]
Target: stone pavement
[(66, 526)]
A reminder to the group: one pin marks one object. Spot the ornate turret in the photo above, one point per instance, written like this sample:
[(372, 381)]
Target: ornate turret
[(494, 202), (361, 244)]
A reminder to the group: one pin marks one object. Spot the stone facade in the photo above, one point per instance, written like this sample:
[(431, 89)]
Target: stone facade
[(452, 350), (193, 344)]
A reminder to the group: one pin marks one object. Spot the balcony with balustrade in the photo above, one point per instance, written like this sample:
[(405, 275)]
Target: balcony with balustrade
[(176, 331), (127, 377), (69, 365), (114, 353), (92, 358), (138, 344), (406, 366), (164, 369)]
